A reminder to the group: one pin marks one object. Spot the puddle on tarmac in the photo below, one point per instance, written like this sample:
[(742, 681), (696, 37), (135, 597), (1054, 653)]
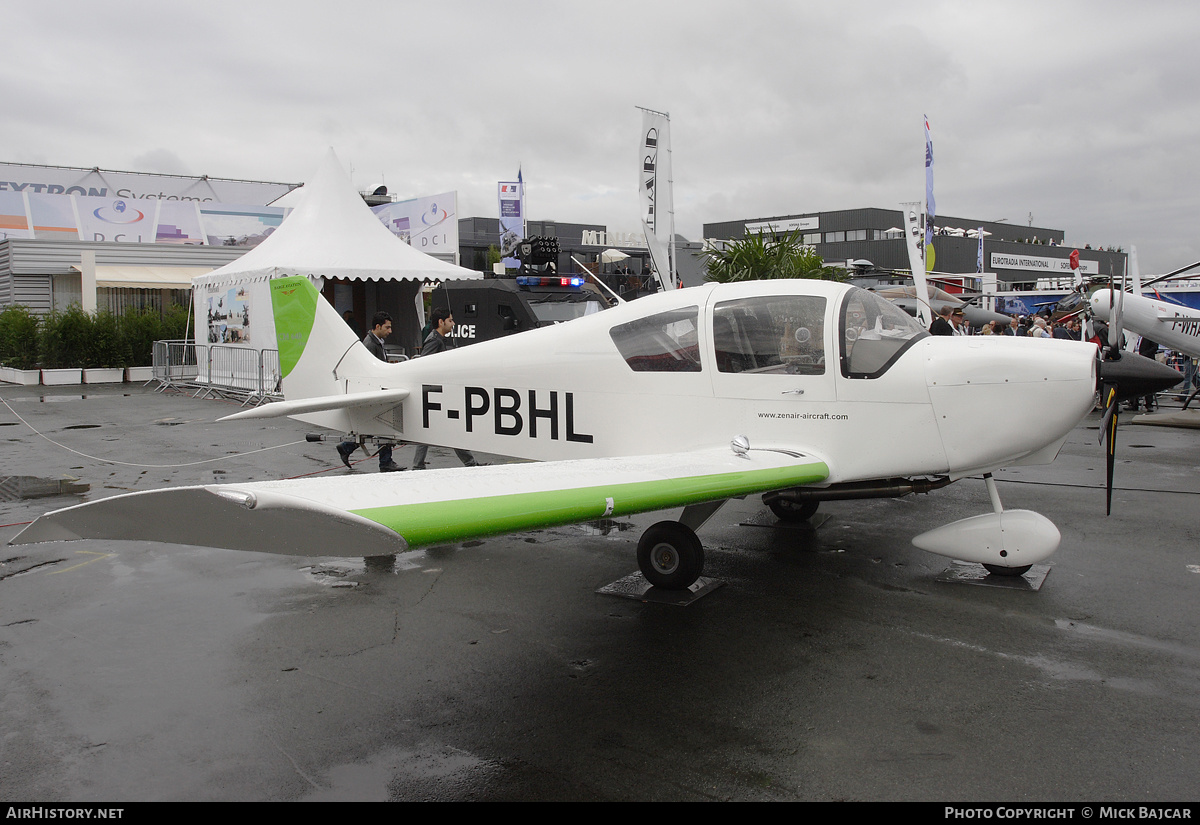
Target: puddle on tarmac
[(604, 527), (49, 399)]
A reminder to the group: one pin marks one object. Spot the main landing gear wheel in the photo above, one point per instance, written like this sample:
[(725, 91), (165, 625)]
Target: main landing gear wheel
[(670, 556), (788, 510), (997, 570)]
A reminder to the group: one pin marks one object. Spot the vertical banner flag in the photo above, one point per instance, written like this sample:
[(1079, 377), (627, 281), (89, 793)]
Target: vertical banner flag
[(930, 207), (658, 208), (979, 253), (512, 219), (913, 240)]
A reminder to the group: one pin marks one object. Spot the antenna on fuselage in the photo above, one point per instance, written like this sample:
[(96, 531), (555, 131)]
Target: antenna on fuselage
[(596, 278)]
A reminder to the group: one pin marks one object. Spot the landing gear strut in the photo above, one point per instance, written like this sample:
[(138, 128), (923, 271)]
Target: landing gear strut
[(670, 555)]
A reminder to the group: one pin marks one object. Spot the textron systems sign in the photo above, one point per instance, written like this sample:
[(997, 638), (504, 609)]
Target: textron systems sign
[(102, 183), (127, 207)]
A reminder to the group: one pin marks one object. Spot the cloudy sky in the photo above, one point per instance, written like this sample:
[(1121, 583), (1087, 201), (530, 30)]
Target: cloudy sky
[(1082, 114)]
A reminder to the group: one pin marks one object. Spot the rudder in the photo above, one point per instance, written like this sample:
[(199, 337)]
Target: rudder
[(317, 351)]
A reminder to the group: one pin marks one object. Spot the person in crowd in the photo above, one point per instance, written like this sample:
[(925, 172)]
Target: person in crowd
[(941, 324), (381, 328), (1148, 349), (958, 319)]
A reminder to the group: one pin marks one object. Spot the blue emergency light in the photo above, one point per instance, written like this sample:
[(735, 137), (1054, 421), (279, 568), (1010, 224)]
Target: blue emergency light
[(534, 280)]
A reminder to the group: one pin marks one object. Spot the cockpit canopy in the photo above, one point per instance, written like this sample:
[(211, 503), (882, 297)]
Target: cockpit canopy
[(782, 334), (874, 332)]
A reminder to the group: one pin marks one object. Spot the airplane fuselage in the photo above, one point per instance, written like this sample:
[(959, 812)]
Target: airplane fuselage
[(809, 365)]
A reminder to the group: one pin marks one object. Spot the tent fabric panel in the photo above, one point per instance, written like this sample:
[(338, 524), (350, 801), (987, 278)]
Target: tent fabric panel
[(148, 277)]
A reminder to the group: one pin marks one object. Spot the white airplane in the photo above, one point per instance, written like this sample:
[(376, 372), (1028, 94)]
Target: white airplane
[(803, 391), (1171, 325)]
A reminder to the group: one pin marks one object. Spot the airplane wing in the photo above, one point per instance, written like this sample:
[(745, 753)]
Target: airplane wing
[(322, 403), (376, 514)]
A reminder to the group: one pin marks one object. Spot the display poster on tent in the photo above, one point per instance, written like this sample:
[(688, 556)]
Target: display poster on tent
[(229, 316), (429, 224)]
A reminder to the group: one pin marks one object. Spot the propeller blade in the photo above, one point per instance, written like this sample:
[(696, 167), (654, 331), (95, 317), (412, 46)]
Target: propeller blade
[(1120, 377), (1109, 396), (1111, 456), (1118, 336)]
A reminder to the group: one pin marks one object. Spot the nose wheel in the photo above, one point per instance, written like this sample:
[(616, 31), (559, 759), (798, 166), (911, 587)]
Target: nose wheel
[(997, 570), (793, 511), (670, 556)]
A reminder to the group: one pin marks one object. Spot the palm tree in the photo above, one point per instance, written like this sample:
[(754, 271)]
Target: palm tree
[(763, 256)]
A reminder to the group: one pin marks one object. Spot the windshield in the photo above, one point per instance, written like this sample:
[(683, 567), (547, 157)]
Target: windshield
[(665, 342), (782, 334), (874, 332), (555, 312)]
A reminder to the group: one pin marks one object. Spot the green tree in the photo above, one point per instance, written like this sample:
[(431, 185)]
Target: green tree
[(108, 346), (176, 324), (64, 338), (764, 256), (18, 338)]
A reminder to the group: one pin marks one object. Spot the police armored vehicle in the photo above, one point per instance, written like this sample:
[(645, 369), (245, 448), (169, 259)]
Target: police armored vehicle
[(535, 297)]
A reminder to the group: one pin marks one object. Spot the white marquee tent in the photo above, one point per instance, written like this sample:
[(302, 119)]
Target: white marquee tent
[(330, 234)]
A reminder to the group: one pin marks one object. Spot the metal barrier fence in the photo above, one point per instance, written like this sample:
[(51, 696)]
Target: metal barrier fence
[(236, 372), (234, 368)]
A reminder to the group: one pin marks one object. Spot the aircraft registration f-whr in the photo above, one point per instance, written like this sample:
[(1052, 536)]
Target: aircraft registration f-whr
[(799, 390)]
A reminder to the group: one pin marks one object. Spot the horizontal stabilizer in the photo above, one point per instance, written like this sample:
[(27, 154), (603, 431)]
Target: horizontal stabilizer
[(373, 514), (321, 404)]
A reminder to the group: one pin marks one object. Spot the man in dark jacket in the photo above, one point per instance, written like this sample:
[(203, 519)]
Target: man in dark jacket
[(941, 324), (381, 328), (442, 322), (1147, 349)]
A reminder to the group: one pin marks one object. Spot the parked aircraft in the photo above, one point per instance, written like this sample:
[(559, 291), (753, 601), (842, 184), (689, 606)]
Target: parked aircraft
[(1171, 325), (804, 391), (905, 297)]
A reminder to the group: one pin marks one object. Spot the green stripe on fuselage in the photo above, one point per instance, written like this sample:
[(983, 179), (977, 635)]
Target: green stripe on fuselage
[(447, 521), (294, 303)]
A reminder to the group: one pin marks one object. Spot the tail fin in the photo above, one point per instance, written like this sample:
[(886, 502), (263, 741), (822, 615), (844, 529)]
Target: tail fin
[(317, 351)]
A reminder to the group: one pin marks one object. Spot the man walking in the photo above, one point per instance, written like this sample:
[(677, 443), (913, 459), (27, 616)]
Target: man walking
[(381, 328), (441, 323)]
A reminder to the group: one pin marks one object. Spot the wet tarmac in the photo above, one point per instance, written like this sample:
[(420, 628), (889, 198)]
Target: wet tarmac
[(835, 662)]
